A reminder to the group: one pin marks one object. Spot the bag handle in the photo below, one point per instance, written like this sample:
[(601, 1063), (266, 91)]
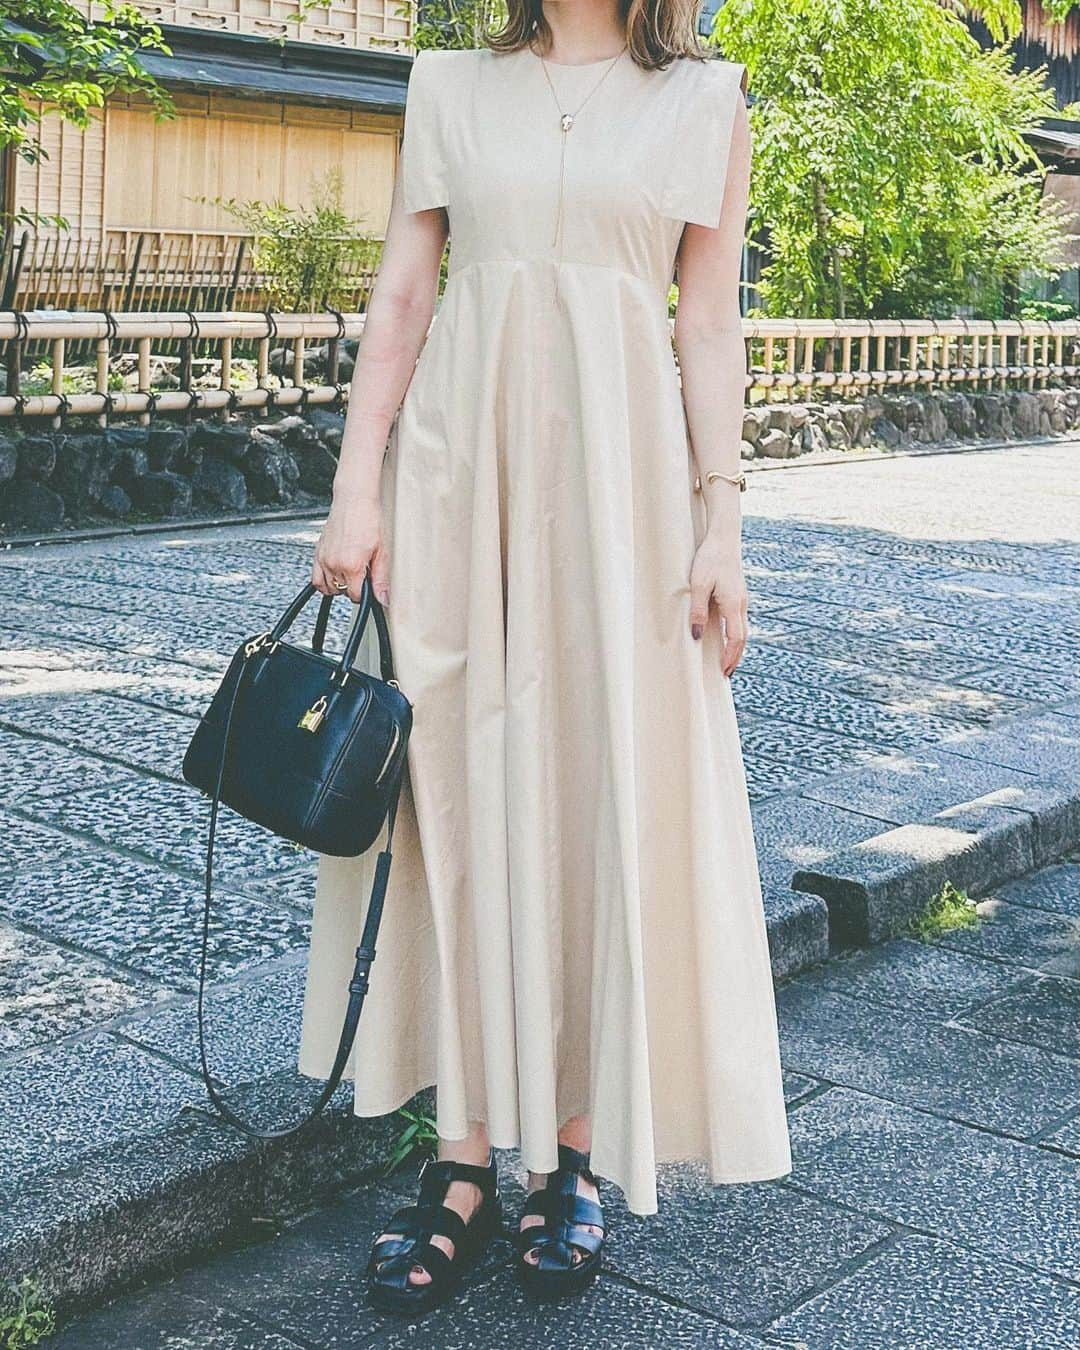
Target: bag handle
[(365, 952), (369, 604)]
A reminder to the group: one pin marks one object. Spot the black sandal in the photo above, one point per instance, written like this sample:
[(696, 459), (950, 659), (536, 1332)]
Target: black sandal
[(565, 1215), (407, 1241)]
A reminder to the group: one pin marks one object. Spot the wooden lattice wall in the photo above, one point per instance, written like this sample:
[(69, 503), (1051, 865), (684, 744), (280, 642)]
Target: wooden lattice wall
[(386, 24)]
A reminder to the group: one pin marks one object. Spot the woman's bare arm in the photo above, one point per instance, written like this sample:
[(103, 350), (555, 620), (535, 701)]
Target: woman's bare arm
[(399, 314), (712, 361)]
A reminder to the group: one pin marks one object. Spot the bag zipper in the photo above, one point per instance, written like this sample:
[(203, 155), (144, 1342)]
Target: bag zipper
[(389, 754)]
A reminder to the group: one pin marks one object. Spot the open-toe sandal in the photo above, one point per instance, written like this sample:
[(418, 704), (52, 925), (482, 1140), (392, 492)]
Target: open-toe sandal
[(568, 1254), (406, 1241)]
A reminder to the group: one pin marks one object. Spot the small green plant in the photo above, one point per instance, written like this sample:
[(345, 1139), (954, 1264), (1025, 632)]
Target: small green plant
[(26, 1316), (418, 1135), (949, 910), (307, 255)]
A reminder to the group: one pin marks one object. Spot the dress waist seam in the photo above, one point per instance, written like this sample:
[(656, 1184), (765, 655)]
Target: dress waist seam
[(551, 263)]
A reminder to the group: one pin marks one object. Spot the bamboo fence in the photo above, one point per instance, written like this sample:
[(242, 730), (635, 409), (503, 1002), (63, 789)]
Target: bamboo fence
[(152, 270), (786, 359)]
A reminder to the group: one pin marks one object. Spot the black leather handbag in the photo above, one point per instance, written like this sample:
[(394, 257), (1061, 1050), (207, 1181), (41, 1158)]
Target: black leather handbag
[(314, 750)]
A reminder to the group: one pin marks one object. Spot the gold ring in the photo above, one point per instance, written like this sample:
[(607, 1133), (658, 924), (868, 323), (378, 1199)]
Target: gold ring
[(341, 585)]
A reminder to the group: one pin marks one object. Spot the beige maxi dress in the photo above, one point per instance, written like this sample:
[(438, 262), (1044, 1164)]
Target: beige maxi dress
[(574, 918)]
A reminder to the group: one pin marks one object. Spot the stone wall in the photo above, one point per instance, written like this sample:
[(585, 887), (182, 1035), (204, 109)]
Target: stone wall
[(96, 476), (86, 475), (892, 422)]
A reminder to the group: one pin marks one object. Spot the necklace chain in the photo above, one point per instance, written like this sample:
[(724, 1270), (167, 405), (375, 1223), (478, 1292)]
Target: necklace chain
[(566, 124), (566, 119)]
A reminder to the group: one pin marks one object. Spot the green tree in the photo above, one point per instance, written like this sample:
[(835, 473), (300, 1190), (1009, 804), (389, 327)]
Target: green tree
[(56, 60), (890, 171), (459, 24)]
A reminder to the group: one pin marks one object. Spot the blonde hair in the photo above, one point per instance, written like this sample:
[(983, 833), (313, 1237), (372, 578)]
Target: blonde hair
[(657, 31)]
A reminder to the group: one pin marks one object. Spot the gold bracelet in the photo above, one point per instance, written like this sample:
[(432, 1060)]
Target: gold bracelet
[(738, 480)]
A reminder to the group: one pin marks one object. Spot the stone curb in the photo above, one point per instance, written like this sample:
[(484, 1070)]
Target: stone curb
[(146, 1206), (875, 888)]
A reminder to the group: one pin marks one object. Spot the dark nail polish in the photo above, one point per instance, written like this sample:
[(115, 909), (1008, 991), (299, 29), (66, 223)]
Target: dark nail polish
[(695, 631)]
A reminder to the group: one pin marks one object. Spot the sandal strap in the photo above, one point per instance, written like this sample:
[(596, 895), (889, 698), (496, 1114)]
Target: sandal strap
[(572, 1160), (396, 1269), (557, 1252), (435, 1177), (555, 1208)]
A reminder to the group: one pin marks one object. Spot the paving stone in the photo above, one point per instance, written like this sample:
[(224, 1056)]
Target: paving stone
[(26, 843), (907, 1058), (765, 778), (1018, 647), (924, 1294), (252, 1026), (316, 1264), (823, 708), (496, 1313), (904, 974), (1021, 937), (148, 738), (32, 769), (203, 644), (47, 992), (739, 1253), (1056, 889), (1067, 1138), (923, 695), (997, 1196), (795, 832), (110, 597), (905, 652), (1045, 746), (169, 822), (797, 1087), (903, 789), (230, 585), (168, 1321), (1022, 682), (52, 1107), (240, 553), (1042, 1012), (804, 752), (175, 687), (145, 918), (295, 886)]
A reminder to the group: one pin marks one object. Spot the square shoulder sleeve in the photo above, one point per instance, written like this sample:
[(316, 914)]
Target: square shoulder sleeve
[(421, 162), (694, 186)]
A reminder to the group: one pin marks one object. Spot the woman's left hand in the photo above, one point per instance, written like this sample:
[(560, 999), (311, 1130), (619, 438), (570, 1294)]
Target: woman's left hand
[(717, 575)]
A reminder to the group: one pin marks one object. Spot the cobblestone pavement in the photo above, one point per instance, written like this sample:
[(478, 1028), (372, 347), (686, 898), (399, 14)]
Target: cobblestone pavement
[(933, 1204), (898, 606)]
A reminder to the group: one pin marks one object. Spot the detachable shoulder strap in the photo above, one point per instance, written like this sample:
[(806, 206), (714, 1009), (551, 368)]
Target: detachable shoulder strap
[(358, 984)]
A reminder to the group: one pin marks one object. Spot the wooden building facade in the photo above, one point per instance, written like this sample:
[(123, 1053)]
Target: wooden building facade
[(266, 107)]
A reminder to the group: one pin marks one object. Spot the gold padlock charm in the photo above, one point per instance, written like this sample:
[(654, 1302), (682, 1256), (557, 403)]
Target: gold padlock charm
[(313, 719)]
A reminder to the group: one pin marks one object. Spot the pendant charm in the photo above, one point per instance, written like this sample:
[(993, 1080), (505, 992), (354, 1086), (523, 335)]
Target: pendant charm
[(566, 121)]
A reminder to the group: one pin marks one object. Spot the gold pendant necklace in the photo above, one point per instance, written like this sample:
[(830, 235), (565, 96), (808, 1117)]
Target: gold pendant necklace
[(566, 125)]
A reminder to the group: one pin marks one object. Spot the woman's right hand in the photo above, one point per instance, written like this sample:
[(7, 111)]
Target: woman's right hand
[(351, 541)]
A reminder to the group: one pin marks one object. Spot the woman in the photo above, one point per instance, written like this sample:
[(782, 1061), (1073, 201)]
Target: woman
[(574, 951)]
